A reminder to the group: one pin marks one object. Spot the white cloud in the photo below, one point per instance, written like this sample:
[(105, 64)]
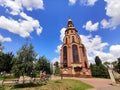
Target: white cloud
[(105, 23), (88, 2), (112, 55), (5, 39), (95, 47), (62, 33), (91, 27), (23, 15), (72, 2), (105, 56), (16, 6), (58, 49), (25, 24), (115, 50), (83, 2), (23, 27), (112, 10), (93, 43), (33, 4), (39, 30)]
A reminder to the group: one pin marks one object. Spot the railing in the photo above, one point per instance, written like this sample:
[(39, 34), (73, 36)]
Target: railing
[(115, 76)]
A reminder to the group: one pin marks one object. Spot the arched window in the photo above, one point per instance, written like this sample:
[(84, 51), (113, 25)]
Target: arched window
[(65, 56), (75, 53), (66, 40), (83, 51), (73, 39), (85, 62), (71, 31)]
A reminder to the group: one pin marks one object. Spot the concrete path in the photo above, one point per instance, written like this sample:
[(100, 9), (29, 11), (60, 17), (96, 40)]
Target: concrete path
[(107, 88), (97, 82), (100, 84)]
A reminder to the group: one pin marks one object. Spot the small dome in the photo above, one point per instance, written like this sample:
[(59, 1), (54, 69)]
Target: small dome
[(69, 20)]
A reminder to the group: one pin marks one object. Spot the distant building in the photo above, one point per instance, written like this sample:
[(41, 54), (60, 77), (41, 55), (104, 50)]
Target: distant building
[(73, 57)]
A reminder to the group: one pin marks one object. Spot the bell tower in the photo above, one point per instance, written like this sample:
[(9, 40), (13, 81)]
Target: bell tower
[(73, 57)]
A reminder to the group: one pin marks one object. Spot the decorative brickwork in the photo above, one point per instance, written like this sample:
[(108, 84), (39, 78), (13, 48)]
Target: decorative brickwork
[(73, 57)]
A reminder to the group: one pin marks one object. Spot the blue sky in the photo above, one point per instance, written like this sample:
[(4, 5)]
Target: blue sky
[(44, 22)]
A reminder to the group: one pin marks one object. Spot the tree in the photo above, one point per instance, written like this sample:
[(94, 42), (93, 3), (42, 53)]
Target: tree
[(5, 62), (1, 63), (1, 57), (116, 65), (107, 64), (43, 65), (98, 61), (23, 62), (98, 69), (57, 68)]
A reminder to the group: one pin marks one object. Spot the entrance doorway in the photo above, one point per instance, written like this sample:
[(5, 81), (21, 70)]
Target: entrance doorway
[(77, 70)]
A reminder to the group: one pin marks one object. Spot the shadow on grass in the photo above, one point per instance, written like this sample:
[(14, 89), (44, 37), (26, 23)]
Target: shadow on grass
[(57, 82), (2, 88), (28, 85)]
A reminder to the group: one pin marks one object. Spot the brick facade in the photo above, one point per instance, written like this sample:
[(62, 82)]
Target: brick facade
[(73, 57)]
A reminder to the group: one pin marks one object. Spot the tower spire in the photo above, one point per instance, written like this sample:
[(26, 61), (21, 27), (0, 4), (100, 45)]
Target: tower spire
[(70, 24)]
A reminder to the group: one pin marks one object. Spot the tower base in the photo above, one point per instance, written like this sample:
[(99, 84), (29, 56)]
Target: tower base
[(76, 72)]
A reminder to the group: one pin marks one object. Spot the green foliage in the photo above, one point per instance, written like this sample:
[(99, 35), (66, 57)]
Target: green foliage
[(57, 68), (5, 62), (116, 65), (57, 71), (25, 85), (117, 79), (98, 69), (43, 65), (98, 61), (23, 62), (107, 64)]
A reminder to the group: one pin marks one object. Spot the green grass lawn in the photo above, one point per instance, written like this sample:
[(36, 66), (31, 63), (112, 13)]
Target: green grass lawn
[(7, 78), (1, 78), (65, 84)]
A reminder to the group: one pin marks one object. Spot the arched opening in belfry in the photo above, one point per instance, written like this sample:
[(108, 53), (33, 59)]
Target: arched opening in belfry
[(66, 40), (73, 39), (75, 54), (83, 51), (65, 56)]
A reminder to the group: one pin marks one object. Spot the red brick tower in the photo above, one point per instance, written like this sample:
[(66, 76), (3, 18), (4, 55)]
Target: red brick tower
[(73, 57)]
